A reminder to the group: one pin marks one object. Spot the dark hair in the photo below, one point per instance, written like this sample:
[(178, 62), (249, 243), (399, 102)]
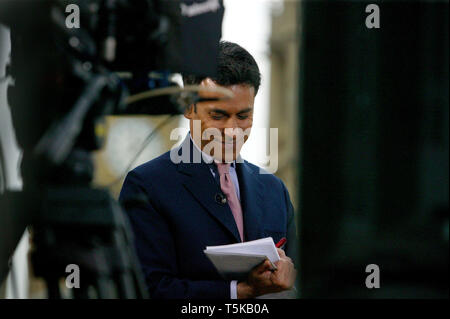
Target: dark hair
[(235, 65)]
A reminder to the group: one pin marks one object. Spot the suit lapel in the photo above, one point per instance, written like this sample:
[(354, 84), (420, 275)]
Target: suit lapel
[(251, 190), (200, 183)]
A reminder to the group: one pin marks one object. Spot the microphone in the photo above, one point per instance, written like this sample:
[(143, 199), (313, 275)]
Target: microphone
[(220, 199)]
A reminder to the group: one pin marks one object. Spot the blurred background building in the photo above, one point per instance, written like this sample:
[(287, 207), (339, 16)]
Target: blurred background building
[(284, 115)]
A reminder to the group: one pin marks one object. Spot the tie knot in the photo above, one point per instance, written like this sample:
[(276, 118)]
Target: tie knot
[(223, 168)]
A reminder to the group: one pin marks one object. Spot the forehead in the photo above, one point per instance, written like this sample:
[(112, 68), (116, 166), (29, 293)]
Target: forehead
[(244, 97)]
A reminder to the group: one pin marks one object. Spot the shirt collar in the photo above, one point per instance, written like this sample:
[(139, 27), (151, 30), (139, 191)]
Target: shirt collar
[(207, 157)]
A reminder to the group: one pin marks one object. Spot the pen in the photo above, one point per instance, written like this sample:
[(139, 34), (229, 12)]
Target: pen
[(281, 243)]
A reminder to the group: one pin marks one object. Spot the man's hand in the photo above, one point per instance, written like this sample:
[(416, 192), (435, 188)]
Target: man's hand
[(262, 280)]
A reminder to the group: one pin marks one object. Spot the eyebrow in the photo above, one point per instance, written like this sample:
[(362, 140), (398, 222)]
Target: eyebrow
[(226, 113), (246, 110)]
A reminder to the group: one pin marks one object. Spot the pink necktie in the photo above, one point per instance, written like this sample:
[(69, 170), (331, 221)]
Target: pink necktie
[(227, 186)]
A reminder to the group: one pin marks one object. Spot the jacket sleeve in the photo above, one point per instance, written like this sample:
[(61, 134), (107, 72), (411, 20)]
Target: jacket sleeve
[(155, 248)]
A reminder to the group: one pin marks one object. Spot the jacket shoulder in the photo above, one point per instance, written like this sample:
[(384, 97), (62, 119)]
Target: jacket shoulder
[(264, 176), (159, 166)]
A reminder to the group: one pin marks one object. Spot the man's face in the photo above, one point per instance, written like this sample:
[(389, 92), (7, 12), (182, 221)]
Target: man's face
[(225, 116)]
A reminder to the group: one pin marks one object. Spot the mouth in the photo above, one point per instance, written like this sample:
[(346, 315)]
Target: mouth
[(228, 145), (225, 142)]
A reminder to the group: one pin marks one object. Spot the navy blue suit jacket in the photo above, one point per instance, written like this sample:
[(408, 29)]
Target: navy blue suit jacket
[(174, 215)]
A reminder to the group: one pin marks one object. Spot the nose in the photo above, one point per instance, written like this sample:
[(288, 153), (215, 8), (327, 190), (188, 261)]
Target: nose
[(231, 123)]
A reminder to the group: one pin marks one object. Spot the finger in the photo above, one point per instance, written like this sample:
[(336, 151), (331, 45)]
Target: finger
[(281, 252), (284, 265), (264, 266), (267, 265)]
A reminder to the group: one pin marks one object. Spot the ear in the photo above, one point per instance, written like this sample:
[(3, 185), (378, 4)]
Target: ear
[(188, 112)]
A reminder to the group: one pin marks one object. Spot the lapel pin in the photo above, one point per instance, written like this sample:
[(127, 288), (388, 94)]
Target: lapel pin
[(220, 199)]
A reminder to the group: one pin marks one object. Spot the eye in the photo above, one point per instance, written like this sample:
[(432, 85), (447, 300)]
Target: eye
[(242, 117), (217, 116)]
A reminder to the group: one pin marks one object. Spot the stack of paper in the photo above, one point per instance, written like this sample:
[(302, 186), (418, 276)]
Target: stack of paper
[(235, 261)]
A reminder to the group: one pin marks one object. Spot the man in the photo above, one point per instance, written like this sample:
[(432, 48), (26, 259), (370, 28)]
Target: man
[(177, 208)]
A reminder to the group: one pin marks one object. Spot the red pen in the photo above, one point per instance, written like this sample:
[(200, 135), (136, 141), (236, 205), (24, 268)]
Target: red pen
[(281, 243)]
